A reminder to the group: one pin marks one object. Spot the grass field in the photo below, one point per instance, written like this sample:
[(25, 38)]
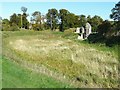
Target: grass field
[(15, 76), (56, 59)]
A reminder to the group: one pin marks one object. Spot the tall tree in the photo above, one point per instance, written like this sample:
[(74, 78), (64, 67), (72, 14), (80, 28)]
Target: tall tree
[(25, 23), (104, 27), (116, 12), (63, 13), (83, 20), (95, 22), (116, 17), (77, 21), (14, 19), (19, 20), (37, 17), (24, 10), (71, 20), (52, 18), (37, 20)]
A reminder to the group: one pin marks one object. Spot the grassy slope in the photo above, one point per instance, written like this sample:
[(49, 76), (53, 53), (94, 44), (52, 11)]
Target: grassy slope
[(90, 71), (15, 76), (0, 60), (0, 72)]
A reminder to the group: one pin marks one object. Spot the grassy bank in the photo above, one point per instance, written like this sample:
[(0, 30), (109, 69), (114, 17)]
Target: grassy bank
[(59, 56), (15, 76)]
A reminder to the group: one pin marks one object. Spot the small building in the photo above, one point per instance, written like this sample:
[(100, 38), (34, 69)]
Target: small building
[(82, 32)]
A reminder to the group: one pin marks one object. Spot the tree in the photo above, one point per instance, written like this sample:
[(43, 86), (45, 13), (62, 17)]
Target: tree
[(14, 19), (89, 18), (24, 10), (37, 17), (77, 21), (5, 21), (52, 18), (116, 16), (104, 27), (5, 24), (71, 20), (63, 13), (95, 22), (83, 20), (19, 20), (25, 23), (116, 12), (37, 20)]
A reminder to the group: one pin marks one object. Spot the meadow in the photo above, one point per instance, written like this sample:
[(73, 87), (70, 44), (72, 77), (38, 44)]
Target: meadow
[(50, 59)]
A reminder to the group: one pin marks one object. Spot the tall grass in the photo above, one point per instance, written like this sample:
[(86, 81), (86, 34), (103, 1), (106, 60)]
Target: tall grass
[(75, 62)]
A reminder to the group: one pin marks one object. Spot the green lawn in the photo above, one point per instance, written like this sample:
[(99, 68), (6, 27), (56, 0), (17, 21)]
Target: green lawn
[(15, 76), (56, 59)]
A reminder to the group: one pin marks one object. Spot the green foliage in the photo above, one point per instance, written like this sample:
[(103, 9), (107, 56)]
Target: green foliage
[(52, 18), (5, 25), (25, 23), (114, 40), (96, 38), (14, 19), (82, 20), (37, 17), (37, 27), (108, 31), (95, 22), (63, 17), (17, 20), (104, 27), (14, 27), (116, 12), (5, 21), (15, 76), (68, 20)]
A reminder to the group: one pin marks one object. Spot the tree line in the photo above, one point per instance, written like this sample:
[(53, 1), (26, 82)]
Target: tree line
[(107, 32), (54, 19)]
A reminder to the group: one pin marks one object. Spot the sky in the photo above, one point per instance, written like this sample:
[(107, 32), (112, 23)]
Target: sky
[(102, 9)]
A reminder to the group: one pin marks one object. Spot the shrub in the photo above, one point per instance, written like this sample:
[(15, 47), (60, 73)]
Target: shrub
[(113, 41), (5, 27), (96, 37), (14, 27)]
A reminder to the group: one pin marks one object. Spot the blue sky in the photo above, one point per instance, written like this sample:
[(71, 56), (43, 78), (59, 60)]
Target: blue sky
[(102, 9)]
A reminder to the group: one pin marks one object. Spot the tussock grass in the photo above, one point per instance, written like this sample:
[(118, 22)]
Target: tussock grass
[(75, 62)]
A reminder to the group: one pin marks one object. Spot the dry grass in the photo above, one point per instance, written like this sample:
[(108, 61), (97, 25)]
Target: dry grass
[(81, 65)]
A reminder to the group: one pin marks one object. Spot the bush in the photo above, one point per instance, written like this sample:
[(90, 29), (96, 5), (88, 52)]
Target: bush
[(96, 37), (114, 40), (5, 27), (37, 27), (14, 27)]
